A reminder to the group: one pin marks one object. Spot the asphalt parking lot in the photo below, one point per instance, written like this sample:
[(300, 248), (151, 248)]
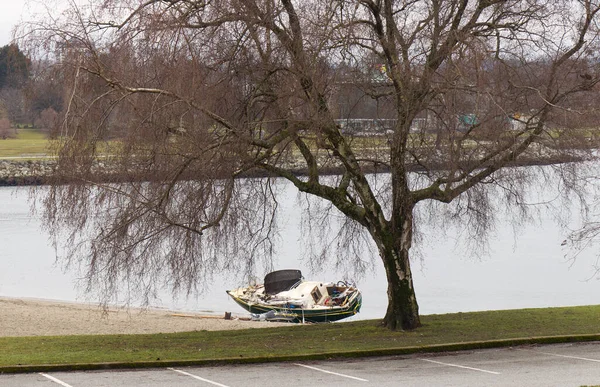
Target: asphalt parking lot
[(550, 365)]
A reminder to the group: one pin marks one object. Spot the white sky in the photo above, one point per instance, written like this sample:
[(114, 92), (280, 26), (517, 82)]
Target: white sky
[(14, 12), (10, 15)]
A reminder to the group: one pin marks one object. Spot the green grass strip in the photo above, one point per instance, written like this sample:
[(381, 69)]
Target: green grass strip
[(360, 338), (29, 143)]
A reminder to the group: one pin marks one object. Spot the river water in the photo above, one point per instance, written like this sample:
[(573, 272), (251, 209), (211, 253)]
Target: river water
[(525, 272)]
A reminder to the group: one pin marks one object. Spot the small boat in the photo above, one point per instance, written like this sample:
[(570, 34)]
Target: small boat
[(286, 296)]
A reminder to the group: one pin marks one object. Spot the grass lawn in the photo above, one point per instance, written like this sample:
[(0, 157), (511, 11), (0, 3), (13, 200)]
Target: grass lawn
[(29, 142), (300, 340)]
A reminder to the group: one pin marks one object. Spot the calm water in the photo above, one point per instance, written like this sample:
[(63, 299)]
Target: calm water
[(530, 271)]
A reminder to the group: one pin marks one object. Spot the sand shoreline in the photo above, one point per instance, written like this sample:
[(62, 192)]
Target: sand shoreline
[(35, 317)]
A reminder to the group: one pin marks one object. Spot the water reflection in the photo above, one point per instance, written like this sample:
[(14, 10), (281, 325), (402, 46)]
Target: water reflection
[(528, 272)]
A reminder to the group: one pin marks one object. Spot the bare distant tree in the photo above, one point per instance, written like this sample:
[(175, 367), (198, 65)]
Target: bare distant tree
[(200, 93), (6, 130), (48, 120), (44, 91), (14, 102)]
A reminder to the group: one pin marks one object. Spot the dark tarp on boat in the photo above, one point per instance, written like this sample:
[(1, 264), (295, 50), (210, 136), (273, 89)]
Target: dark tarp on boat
[(280, 280)]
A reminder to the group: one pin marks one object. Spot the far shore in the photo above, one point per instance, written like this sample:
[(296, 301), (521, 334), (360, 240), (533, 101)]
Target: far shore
[(39, 171)]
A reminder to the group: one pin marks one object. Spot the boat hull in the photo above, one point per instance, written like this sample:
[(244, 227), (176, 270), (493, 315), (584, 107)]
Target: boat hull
[(296, 314)]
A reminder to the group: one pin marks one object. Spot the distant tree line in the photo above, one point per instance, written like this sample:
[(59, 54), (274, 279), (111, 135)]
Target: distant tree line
[(30, 92)]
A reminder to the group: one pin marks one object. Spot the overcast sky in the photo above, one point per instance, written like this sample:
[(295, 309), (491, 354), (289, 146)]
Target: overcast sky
[(10, 15)]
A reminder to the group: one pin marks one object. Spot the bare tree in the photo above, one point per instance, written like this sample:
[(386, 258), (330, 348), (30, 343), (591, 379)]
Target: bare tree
[(14, 102), (48, 120), (200, 93), (6, 131)]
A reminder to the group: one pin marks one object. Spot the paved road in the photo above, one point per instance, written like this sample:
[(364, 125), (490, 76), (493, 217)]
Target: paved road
[(554, 365)]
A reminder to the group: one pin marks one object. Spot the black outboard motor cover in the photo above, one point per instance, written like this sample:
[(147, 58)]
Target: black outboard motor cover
[(280, 280)]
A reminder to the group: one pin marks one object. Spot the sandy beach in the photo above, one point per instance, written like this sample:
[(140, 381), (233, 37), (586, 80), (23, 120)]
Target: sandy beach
[(32, 317)]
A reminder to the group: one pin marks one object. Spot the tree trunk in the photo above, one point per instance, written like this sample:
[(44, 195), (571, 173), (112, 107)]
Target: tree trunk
[(394, 239), (394, 247), (403, 310)]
